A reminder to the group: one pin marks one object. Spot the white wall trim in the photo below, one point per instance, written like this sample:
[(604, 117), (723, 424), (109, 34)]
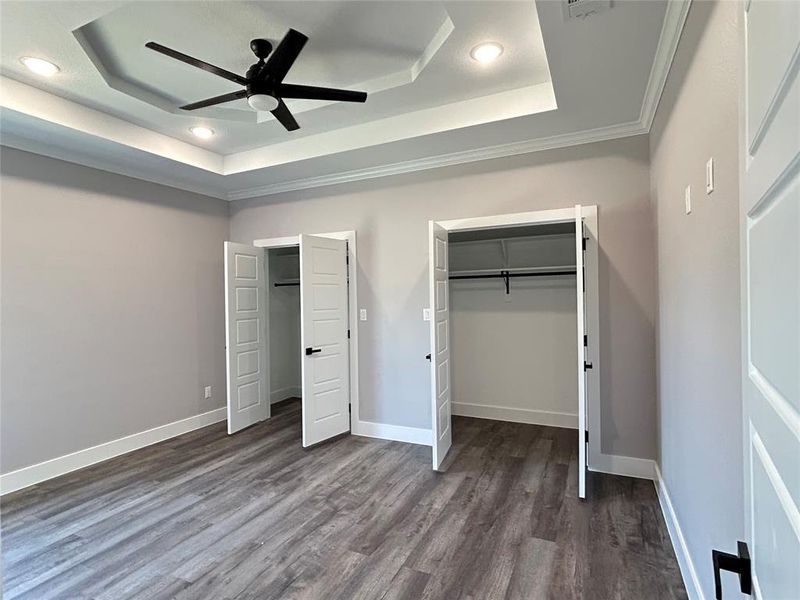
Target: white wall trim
[(688, 571), (284, 393), (671, 30), (445, 160), (27, 476), (629, 466), (516, 415), (397, 433)]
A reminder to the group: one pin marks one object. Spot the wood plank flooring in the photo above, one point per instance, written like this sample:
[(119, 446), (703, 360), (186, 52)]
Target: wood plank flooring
[(207, 515)]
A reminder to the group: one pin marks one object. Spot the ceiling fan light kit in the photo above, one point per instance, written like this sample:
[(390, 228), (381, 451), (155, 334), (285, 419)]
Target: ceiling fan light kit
[(262, 102), (263, 82)]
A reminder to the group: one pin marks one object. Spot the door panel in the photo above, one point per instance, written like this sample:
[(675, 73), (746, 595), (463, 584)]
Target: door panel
[(581, 316), (770, 220), (324, 325), (440, 344), (246, 336)]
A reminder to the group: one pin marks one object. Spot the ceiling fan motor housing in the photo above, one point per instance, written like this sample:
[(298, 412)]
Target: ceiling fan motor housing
[(261, 47)]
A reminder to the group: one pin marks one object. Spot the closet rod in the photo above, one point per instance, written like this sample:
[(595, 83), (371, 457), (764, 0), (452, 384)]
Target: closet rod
[(506, 275)]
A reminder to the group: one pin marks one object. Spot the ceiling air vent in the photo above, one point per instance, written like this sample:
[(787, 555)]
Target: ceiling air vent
[(580, 9)]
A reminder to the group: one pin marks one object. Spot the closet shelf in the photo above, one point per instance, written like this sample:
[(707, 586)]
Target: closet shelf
[(508, 274), (286, 283)]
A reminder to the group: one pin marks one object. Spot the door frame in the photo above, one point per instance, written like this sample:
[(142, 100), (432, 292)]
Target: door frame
[(594, 460), (352, 308)]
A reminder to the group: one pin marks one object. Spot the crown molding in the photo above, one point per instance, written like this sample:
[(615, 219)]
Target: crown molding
[(17, 142), (671, 29), (445, 160)]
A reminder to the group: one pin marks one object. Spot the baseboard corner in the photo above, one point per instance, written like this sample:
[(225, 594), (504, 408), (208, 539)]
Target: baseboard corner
[(396, 433), (628, 466)]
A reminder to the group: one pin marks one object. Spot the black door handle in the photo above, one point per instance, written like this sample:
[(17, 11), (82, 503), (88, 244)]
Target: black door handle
[(428, 356), (738, 563), (310, 351)]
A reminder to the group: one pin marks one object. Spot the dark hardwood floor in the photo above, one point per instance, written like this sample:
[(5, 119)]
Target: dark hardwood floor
[(254, 515)]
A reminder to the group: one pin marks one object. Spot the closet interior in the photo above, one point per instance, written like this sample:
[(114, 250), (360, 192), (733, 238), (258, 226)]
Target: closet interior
[(284, 323), (513, 330)]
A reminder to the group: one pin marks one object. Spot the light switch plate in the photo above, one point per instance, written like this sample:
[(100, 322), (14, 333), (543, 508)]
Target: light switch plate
[(710, 175), (208, 392), (687, 196), (426, 314), (362, 314)]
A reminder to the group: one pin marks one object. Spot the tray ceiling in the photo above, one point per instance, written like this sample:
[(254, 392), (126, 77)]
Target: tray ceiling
[(114, 101)]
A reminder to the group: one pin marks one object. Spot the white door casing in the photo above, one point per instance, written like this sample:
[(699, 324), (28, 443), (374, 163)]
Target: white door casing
[(246, 336), (324, 342), (438, 285), (582, 363), (770, 263)]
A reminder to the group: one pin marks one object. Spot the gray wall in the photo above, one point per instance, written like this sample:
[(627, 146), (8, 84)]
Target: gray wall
[(516, 350), (112, 307), (700, 405), (285, 379), (390, 216)]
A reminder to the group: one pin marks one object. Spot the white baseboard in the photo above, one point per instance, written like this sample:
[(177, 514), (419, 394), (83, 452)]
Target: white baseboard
[(688, 572), (516, 415), (397, 433), (641, 468), (285, 393), (27, 476)]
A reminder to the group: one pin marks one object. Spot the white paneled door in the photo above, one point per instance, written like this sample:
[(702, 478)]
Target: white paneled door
[(770, 220), (246, 336), (324, 334), (582, 363), (440, 343)]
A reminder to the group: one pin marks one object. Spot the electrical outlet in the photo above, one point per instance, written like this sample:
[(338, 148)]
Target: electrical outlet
[(426, 314), (687, 197), (208, 391), (710, 175), (362, 314)]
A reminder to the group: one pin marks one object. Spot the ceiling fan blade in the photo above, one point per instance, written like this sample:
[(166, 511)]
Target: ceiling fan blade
[(283, 57), (311, 92), (216, 100), (189, 60), (285, 117)]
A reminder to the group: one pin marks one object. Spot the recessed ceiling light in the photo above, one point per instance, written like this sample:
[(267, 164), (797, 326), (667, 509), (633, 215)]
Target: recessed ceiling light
[(39, 66), (202, 132), (486, 52)]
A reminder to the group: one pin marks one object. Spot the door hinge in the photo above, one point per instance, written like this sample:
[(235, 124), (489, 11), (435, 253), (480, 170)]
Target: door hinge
[(348, 334), (585, 340), (739, 564), (587, 365), (586, 436), (583, 243)]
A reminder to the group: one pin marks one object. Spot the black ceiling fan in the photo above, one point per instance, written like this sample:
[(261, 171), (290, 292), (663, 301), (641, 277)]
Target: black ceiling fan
[(263, 82)]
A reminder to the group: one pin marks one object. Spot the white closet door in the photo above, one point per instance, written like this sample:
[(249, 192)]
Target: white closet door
[(581, 312), (770, 262), (440, 343), (246, 335), (323, 331)]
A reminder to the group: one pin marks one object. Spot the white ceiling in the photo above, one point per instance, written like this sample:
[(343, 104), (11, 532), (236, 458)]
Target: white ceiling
[(113, 105)]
